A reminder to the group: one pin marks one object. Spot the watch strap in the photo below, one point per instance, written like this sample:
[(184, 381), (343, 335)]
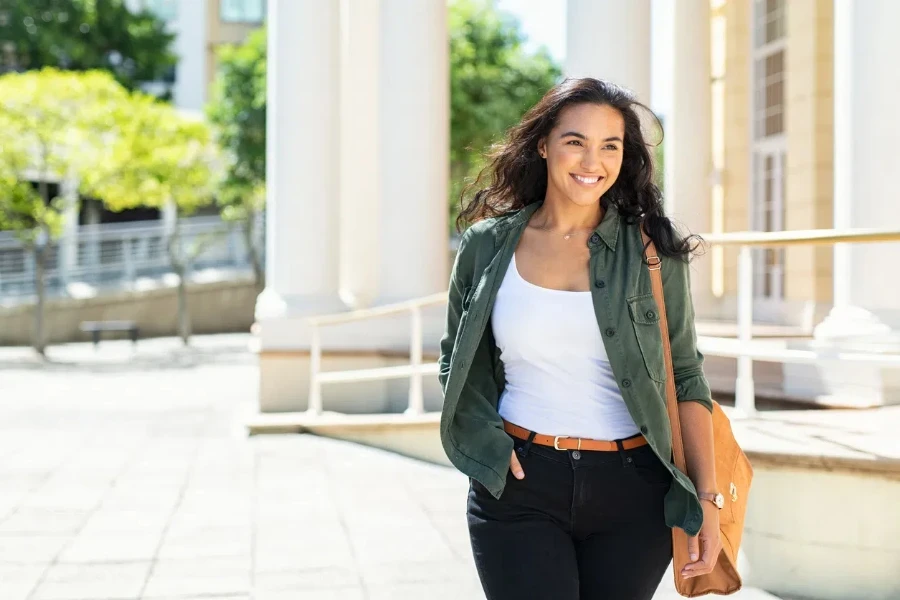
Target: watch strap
[(717, 499)]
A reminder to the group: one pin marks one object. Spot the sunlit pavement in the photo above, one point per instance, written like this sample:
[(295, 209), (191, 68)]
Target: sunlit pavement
[(126, 474)]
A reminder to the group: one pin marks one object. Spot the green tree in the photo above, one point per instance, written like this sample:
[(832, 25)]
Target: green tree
[(156, 155), (81, 35), (493, 82), (52, 125), (238, 112)]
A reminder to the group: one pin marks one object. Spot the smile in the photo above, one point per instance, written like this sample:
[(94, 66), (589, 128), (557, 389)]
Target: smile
[(589, 181)]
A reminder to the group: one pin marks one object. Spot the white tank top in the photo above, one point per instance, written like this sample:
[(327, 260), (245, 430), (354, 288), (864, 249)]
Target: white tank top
[(558, 377)]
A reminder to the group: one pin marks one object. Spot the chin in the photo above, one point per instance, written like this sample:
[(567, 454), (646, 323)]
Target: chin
[(583, 200)]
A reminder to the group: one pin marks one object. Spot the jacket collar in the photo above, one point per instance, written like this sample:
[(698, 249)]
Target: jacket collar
[(607, 230)]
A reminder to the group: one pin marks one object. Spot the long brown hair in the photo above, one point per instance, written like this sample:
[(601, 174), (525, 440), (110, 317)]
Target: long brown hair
[(517, 175)]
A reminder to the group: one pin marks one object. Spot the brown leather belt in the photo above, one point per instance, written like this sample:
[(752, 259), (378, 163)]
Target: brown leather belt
[(564, 442)]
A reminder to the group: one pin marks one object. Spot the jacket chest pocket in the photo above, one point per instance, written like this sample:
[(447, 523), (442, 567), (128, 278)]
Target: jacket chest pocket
[(645, 320)]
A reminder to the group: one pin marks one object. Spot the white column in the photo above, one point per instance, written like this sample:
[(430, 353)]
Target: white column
[(610, 39), (169, 215), (688, 133), (360, 173), (68, 243), (866, 129), (414, 156), (302, 170), (191, 41)]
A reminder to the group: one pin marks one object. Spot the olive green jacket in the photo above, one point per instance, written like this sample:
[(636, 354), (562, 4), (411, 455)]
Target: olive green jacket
[(472, 375)]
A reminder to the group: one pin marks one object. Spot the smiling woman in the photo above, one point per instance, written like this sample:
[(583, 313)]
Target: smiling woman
[(583, 128), (553, 363)]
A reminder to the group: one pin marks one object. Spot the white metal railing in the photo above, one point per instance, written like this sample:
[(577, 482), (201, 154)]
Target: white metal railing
[(414, 370), (744, 349), (115, 253)]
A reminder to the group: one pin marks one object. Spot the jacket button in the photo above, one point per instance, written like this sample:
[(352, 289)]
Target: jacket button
[(610, 332), (595, 238), (643, 429), (601, 283), (650, 314), (626, 383)]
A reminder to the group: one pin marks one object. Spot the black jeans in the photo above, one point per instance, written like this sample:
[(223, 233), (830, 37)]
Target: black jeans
[(582, 525)]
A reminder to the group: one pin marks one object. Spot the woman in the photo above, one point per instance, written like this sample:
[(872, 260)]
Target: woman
[(552, 363)]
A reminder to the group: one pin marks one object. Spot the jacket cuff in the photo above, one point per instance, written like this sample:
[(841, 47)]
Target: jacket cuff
[(694, 389)]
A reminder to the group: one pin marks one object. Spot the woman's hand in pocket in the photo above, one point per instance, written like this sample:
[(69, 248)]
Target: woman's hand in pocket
[(516, 467)]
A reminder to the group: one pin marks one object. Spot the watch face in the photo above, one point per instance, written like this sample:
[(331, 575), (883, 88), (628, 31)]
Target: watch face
[(720, 500)]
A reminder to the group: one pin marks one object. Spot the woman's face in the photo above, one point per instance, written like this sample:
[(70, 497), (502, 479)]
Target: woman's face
[(584, 153)]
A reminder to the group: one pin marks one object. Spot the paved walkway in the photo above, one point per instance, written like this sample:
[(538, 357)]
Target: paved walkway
[(127, 475)]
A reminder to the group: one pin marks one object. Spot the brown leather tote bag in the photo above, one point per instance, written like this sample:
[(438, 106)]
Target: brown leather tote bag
[(733, 471)]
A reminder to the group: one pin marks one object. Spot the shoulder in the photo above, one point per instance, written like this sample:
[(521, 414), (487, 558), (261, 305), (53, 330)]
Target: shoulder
[(483, 233), (479, 243)]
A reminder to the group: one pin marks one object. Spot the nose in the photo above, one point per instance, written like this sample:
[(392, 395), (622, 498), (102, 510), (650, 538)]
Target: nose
[(590, 160)]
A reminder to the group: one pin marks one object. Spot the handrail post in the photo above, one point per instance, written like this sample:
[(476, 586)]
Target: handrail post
[(128, 251), (744, 393), (416, 396), (315, 367)]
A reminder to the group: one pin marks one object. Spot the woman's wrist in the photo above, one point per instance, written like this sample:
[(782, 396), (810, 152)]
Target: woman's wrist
[(705, 485), (704, 482)]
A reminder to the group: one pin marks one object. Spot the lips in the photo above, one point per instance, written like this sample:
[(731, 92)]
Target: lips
[(587, 181)]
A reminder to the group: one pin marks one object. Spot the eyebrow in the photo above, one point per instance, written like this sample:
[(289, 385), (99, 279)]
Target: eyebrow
[(583, 137)]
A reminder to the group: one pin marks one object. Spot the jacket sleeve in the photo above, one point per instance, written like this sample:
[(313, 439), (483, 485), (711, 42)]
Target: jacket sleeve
[(456, 291), (687, 361)]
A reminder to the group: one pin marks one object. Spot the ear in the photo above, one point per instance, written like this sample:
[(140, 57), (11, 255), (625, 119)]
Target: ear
[(542, 147)]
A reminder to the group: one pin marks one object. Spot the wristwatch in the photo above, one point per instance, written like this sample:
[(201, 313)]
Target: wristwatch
[(717, 499)]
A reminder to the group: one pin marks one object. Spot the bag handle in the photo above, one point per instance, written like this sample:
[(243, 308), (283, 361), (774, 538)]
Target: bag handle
[(654, 265)]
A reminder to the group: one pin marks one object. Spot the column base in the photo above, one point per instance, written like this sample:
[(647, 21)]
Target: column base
[(857, 329), (855, 384)]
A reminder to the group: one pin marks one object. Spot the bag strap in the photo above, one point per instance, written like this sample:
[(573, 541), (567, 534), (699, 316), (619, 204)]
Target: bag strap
[(654, 265)]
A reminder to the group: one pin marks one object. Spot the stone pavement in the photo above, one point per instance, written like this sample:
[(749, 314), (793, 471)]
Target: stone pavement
[(126, 474)]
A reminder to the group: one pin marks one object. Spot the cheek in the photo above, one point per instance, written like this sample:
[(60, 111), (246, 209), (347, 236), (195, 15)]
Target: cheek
[(613, 168), (565, 162)]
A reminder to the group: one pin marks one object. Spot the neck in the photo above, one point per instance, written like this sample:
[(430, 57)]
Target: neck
[(567, 217)]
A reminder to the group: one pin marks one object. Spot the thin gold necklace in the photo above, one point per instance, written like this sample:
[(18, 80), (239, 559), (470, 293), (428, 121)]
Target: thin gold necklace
[(565, 235)]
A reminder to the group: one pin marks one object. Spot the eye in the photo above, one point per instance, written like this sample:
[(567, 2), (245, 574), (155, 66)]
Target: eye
[(612, 147), (575, 142)]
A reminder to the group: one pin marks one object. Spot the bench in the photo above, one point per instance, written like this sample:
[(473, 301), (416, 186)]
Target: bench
[(95, 328)]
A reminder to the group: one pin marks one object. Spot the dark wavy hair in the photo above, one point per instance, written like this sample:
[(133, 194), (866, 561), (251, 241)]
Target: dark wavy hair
[(518, 175)]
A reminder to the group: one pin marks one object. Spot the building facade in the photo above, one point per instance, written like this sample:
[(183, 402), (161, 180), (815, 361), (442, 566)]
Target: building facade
[(782, 118), (200, 27)]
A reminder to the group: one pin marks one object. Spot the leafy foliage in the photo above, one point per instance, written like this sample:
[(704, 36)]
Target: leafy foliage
[(52, 125), (493, 82), (155, 155), (82, 35), (238, 112), (125, 147)]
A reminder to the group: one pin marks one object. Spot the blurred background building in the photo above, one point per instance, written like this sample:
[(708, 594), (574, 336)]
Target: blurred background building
[(752, 133), (200, 28)]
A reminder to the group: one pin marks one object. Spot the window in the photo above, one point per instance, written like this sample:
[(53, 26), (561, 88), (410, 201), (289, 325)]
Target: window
[(768, 215), (166, 10), (769, 44), (769, 140), (242, 11)]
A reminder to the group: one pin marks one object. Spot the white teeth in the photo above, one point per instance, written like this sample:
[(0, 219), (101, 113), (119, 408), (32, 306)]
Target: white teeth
[(587, 180)]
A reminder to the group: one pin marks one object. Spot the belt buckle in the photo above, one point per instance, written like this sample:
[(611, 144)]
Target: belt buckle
[(556, 441)]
